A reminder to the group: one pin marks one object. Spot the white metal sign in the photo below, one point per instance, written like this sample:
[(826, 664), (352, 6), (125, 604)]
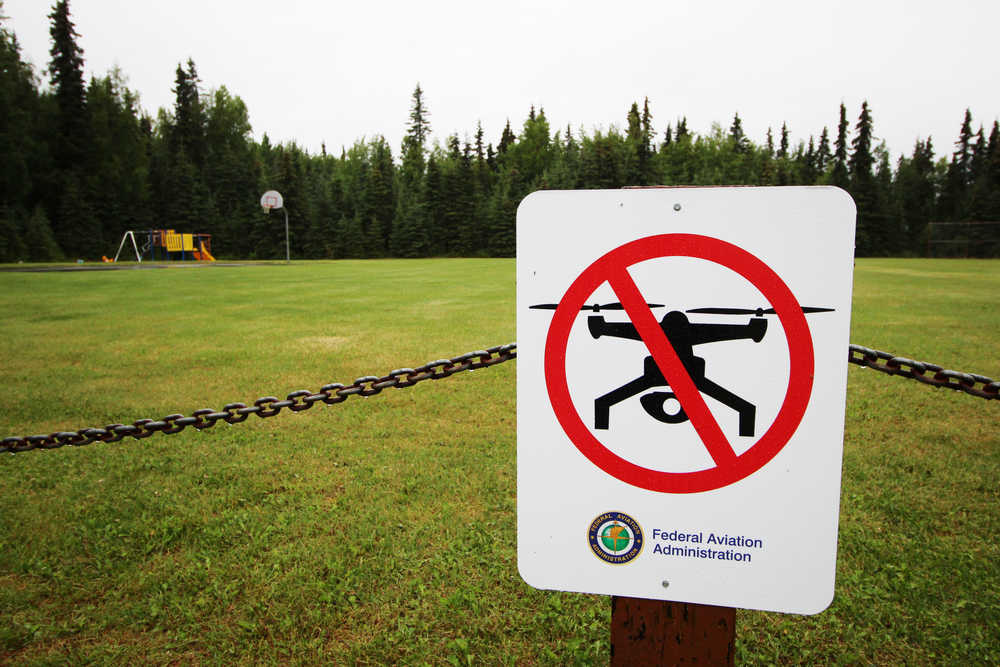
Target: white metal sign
[(681, 389)]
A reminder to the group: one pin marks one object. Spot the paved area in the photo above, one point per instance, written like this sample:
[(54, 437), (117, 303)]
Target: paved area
[(32, 268)]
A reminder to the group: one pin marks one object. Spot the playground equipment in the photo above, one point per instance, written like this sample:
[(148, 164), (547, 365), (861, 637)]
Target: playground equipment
[(167, 245)]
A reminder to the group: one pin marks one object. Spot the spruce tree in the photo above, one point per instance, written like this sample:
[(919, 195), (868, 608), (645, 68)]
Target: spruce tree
[(646, 151), (736, 135), (682, 133), (952, 204), (189, 115), (808, 169), (840, 176), (380, 197), (915, 194), (76, 228), (11, 246), (409, 235), (982, 194), (66, 77), (783, 146), (434, 200), (39, 242), (507, 139), (782, 163), (991, 175), (823, 154), (22, 173), (633, 171), (862, 186)]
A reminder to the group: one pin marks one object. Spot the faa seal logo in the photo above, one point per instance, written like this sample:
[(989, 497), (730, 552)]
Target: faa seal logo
[(615, 537)]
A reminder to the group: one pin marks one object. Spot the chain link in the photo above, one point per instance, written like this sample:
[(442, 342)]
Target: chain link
[(267, 406), (921, 371), (370, 385)]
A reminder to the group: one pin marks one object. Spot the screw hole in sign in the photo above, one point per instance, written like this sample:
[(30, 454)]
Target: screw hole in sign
[(729, 467)]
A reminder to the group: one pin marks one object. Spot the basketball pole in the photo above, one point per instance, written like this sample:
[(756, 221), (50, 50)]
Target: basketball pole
[(270, 200), (288, 252)]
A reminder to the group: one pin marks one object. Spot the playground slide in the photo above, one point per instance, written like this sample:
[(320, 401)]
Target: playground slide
[(202, 254)]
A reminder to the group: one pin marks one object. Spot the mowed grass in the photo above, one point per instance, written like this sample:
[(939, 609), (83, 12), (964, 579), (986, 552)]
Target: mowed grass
[(382, 530)]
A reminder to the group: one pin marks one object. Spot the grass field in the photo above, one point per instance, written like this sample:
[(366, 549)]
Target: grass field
[(382, 530)]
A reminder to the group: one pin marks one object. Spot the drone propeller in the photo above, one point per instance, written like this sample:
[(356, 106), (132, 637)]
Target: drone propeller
[(758, 312), (595, 307)]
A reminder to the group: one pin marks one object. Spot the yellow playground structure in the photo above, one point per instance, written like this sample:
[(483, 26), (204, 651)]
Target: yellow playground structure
[(167, 245)]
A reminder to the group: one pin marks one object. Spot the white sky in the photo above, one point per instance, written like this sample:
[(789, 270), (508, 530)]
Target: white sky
[(313, 71)]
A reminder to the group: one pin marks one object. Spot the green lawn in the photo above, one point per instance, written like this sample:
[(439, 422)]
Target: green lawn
[(382, 530)]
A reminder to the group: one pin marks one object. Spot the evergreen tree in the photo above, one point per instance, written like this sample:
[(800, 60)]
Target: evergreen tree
[(736, 135), (646, 152), (564, 174), (84, 238), (839, 175), (823, 155), (915, 192), (232, 175), (991, 175), (189, 115), (435, 201), (481, 166), (956, 184), (507, 139), (409, 237), (682, 130), (808, 165), (76, 228), (23, 167), (66, 77), (119, 168), (633, 175), (782, 166), (604, 160), (380, 198), (983, 195), (11, 246), (531, 155), (458, 205), (886, 232), (500, 215), (39, 242), (862, 186)]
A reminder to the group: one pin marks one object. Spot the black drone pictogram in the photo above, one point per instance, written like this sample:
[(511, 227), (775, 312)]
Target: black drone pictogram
[(683, 336)]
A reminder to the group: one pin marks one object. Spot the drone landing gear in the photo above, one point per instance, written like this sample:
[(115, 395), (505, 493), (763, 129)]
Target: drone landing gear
[(654, 403)]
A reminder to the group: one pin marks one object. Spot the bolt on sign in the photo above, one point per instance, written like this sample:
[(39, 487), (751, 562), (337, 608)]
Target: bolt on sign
[(681, 391)]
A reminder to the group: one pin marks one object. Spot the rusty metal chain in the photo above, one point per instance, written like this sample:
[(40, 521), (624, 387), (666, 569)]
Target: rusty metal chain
[(921, 371), (297, 401), (267, 406)]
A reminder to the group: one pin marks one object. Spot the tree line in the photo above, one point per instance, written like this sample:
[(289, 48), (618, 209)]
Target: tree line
[(83, 163)]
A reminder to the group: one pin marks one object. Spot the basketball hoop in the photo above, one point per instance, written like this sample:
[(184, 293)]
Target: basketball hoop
[(271, 199)]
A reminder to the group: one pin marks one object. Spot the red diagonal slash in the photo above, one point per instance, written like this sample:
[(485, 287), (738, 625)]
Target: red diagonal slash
[(670, 365), (612, 267)]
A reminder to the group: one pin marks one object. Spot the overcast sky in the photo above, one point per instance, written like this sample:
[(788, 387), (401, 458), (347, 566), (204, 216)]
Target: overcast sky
[(316, 70)]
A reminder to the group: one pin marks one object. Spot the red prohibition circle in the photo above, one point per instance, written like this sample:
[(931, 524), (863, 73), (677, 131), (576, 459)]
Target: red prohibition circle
[(613, 267)]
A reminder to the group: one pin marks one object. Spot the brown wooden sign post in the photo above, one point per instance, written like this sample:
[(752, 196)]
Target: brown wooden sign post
[(656, 632)]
